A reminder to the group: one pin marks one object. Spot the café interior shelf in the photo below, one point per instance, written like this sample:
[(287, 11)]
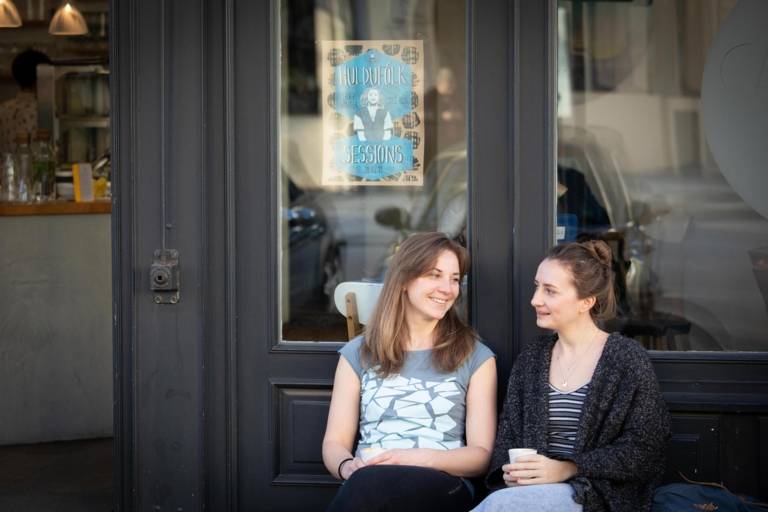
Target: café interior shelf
[(85, 121), (73, 102), (55, 208)]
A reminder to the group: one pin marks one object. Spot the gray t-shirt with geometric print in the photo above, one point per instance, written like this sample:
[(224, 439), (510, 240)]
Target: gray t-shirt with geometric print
[(419, 407)]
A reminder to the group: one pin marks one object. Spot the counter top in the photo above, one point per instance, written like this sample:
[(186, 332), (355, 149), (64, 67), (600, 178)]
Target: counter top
[(55, 208)]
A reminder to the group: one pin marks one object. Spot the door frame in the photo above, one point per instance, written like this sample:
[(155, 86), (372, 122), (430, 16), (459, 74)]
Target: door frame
[(491, 230), (166, 60)]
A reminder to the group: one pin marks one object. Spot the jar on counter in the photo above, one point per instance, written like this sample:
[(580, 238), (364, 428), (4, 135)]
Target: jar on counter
[(64, 187)]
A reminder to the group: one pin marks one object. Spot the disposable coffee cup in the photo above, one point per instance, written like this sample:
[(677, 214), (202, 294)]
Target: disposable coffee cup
[(514, 453), (368, 453)]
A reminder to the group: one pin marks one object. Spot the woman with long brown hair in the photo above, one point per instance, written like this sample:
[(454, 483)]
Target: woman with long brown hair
[(417, 391)]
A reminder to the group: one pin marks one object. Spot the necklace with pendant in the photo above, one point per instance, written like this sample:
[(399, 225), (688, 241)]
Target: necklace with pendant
[(566, 374), (564, 383)]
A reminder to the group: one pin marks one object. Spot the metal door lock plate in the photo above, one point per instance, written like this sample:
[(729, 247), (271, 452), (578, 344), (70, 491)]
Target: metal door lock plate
[(164, 276)]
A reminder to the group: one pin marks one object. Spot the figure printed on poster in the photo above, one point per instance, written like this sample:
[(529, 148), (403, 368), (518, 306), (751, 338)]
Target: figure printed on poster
[(372, 111), (372, 122)]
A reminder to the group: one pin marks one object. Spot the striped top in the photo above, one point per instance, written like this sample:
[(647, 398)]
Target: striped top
[(564, 414)]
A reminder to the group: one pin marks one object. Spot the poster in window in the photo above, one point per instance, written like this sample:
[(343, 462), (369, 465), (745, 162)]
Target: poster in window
[(373, 113)]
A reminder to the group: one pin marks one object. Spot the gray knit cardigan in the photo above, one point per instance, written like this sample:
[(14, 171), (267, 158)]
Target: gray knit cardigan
[(622, 434)]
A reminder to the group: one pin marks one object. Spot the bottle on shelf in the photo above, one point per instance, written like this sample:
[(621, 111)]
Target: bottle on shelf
[(23, 165), (8, 180), (44, 167)]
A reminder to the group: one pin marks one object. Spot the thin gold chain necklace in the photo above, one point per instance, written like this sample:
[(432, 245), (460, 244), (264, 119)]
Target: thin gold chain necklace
[(567, 374)]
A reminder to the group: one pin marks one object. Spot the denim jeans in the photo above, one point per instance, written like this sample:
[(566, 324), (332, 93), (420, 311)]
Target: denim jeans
[(531, 498), (402, 489)]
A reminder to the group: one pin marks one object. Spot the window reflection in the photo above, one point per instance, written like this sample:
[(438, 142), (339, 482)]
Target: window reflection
[(637, 167), (348, 232)]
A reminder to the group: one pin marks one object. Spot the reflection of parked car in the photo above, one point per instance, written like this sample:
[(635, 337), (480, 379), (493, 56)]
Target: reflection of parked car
[(599, 165), (315, 267), (686, 241), (442, 205)]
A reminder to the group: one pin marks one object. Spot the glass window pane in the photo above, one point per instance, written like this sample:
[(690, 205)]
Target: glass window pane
[(660, 109), (373, 144)]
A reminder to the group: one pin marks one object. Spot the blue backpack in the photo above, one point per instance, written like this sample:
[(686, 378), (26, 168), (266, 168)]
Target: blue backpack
[(702, 498)]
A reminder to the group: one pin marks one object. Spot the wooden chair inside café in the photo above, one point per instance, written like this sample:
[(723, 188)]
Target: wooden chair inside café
[(356, 300)]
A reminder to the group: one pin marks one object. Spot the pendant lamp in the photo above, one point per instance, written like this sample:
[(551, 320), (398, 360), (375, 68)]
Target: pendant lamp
[(68, 22), (9, 15)]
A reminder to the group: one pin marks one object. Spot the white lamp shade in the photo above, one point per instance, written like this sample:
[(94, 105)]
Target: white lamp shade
[(68, 22), (9, 15)]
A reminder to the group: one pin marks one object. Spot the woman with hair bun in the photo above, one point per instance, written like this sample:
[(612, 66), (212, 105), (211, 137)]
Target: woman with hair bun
[(587, 401), (417, 390)]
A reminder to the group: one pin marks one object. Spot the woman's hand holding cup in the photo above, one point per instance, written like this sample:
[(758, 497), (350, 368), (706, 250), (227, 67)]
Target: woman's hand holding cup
[(526, 467), (514, 453)]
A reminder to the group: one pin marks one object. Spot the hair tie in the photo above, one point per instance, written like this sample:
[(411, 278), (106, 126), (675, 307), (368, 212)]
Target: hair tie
[(341, 464)]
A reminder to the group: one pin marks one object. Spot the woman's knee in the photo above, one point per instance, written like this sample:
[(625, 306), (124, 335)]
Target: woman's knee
[(367, 482), (371, 475), (401, 488), (364, 473), (358, 492), (532, 498)]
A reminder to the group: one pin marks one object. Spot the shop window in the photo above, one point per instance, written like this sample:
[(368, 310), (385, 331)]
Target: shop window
[(659, 111), (373, 144)]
